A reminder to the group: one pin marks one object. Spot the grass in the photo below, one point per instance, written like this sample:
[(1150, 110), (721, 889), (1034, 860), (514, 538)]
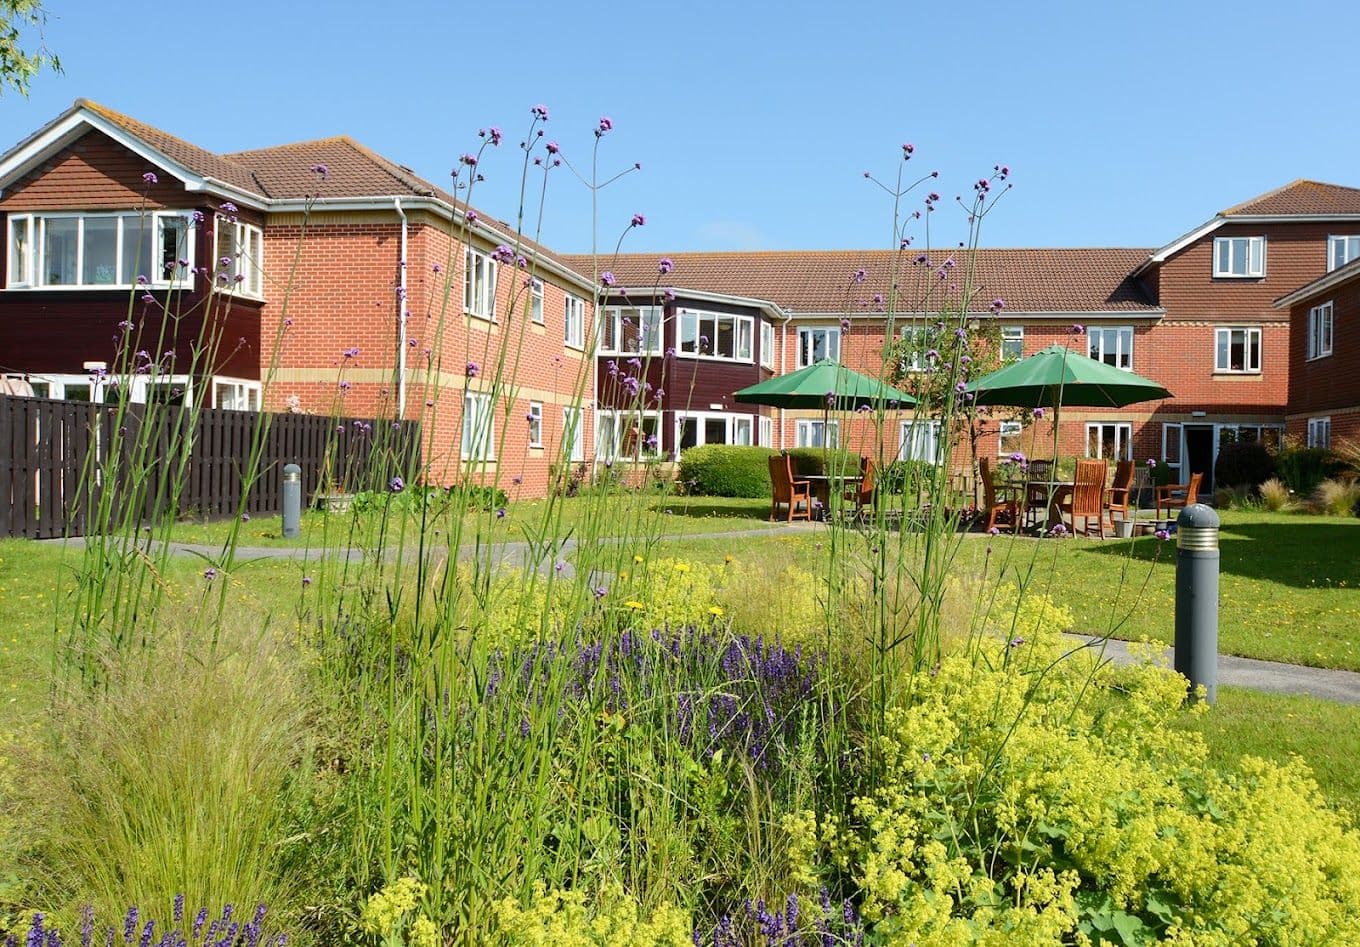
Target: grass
[(1289, 583), (670, 515)]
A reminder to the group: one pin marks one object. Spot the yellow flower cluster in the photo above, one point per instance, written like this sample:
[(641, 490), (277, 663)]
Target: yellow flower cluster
[(386, 915), (1027, 800), (564, 919), (675, 592)]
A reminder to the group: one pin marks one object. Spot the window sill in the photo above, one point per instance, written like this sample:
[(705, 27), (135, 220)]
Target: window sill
[(479, 317), (1230, 375), (535, 448), (1318, 358), (574, 348), (102, 288), (1238, 277)]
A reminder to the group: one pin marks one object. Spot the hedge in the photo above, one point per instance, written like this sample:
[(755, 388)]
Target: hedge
[(721, 470), (1243, 464), (814, 461)]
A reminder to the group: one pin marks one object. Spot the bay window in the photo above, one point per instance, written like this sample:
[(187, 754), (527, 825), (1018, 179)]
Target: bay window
[(631, 331), (242, 247), (100, 250), (716, 335)]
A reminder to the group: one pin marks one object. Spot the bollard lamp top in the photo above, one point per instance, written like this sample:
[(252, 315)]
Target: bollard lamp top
[(292, 472), (1198, 516)]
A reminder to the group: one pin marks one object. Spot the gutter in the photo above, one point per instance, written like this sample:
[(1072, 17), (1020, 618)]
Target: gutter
[(401, 315)]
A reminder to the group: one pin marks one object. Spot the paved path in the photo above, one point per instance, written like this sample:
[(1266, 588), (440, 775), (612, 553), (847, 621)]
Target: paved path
[(1269, 676)]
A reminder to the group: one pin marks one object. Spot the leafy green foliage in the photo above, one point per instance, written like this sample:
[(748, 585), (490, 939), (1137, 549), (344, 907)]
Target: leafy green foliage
[(723, 470), (1303, 468), (1244, 464), (19, 61)]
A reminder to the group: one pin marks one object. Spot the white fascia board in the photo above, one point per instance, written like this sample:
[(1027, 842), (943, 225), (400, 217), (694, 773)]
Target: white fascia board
[(68, 129), (1006, 315), (1210, 226), (1340, 275), (701, 295)]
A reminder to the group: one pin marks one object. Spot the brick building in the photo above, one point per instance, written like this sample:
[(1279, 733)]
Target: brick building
[(332, 278)]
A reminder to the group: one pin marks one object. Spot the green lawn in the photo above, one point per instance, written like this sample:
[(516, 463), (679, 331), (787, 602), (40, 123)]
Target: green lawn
[(669, 515), (1289, 583)]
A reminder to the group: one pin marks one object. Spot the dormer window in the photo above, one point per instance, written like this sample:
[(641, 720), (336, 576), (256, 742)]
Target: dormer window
[(1239, 257)]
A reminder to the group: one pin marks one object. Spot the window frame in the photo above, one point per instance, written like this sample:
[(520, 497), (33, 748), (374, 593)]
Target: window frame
[(484, 413), (35, 227), (608, 419), (253, 283), (766, 344), (611, 323), (1320, 432), (480, 278), (1251, 333), (803, 428), (1123, 437), (1223, 253), (921, 337), (1121, 332), (743, 329), (907, 438), (574, 322), (534, 418), (536, 301), (765, 432), (1348, 245), (1008, 429), (252, 390), (575, 451), (1020, 338), (805, 353), (1320, 317)]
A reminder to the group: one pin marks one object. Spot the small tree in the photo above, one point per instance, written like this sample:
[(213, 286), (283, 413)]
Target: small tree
[(18, 64)]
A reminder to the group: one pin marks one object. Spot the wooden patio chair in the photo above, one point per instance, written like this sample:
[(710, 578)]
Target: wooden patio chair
[(788, 492), (1086, 502), (997, 511), (1034, 501), (1175, 496), (1120, 495), (860, 496)]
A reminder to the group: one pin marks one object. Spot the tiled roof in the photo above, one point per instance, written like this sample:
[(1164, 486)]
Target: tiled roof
[(1301, 197), (198, 160), (1029, 280)]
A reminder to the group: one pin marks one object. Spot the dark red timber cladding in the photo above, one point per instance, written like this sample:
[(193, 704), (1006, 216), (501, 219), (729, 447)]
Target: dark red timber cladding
[(1333, 381), (93, 173)]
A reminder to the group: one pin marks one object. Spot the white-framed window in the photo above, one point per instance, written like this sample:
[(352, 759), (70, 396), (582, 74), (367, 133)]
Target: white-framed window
[(715, 335), (1008, 438), (818, 342), (574, 321), (535, 419), (1239, 256), (693, 428), (920, 440), (1012, 343), (767, 344), (810, 433), (479, 284), (236, 395), (536, 300), (1320, 432), (766, 432), (1237, 349), (631, 330), (1341, 250), (627, 434), (1320, 331), (915, 344), (241, 246), (574, 433), (1112, 345), (479, 427), (1109, 441), (62, 250)]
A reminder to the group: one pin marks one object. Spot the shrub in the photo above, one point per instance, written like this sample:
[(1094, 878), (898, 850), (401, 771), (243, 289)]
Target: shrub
[(1235, 498), (1274, 495), (1048, 800), (815, 461), (1243, 464), (562, 918), (1303, 468), (904, 476), (722, 470), (1337, 497)]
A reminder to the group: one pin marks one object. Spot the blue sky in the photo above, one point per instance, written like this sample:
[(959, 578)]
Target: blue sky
[(1125, 124)]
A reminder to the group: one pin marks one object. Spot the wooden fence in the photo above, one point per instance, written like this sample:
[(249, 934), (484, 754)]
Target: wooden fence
[(55, 467)]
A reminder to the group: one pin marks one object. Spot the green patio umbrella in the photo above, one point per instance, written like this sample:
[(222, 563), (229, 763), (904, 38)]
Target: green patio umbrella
[(1062, 377), (825, 385)]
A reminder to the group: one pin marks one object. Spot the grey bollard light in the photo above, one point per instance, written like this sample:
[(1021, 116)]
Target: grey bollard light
[(1197, 598), (292, 500)]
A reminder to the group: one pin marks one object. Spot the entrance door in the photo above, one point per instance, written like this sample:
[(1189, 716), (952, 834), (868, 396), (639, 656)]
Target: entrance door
[(1200, 447)]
